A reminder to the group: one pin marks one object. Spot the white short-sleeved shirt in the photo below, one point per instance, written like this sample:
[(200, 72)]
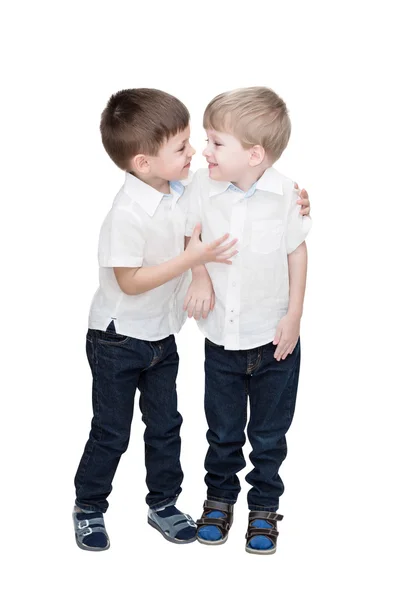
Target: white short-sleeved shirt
[(252, 294), (143, 228)]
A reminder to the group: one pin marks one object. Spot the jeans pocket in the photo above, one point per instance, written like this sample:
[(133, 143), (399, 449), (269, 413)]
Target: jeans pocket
[(111, 338)]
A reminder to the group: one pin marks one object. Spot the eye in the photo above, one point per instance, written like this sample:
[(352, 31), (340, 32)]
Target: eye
[(215, 143), (181, 149)]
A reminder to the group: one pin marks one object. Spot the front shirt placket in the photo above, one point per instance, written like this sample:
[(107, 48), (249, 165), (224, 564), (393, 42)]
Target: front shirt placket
[(233, 295)]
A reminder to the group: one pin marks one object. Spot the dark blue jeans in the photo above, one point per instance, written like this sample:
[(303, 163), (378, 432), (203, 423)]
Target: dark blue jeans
[(231, 377), (119, 366)]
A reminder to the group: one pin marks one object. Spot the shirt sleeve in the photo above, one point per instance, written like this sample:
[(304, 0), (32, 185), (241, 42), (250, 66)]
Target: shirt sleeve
[(122, 240), (298, 226), (192, 195)]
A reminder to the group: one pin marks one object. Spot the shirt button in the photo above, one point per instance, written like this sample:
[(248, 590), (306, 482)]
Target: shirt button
[(231, 320), (234, 284)]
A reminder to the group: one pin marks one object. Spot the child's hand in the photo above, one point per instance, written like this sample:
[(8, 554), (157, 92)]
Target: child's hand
[(303, 200), (287, 334), (200, 298), (218, 252)]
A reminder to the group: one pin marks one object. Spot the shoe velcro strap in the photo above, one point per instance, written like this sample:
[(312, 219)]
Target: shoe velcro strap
[(271, 534), (221, 523), (262, 514), (84, 523), (214, 505), (85, 532), (252, 531)]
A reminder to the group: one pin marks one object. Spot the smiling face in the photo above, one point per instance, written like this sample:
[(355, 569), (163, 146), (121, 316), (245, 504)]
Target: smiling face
[(174, 157), (227, 159)]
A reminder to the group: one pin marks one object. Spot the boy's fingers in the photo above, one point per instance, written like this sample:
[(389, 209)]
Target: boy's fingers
[(222, 249), (287, 352), (186, 302), (226, 256), (197, 230), (280, 347), (197, 310), (219, 241), (205, 308), (226, 247), (191, 306)]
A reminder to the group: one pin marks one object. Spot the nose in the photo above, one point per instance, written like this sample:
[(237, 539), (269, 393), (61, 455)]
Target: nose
[(192, 150), (206, 152)]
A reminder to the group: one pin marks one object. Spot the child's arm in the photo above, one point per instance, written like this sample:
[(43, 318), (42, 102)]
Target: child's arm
[(297, 228), (200, 297), (136, 280), (288, 329)]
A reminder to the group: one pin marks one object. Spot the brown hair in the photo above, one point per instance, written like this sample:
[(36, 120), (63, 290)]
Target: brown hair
[(139, 121), (254, 115)]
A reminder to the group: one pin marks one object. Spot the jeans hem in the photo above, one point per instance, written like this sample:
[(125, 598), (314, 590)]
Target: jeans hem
[(217, 499), (89, 507), (263, 508), (164, 503)]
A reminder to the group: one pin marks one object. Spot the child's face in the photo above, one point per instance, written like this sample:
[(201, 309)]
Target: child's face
[(174, 157), (228, 160)]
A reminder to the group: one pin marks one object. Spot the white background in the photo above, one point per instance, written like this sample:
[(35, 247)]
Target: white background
[(336, 64)]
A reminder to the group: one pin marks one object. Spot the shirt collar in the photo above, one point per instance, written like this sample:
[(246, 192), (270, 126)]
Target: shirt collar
[(270, 181), (146, 196)]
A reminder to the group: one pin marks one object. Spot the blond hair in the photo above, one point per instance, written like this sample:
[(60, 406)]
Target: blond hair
[(254, 115)]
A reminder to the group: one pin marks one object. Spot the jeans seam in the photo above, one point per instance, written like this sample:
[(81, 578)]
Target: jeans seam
[(96, 414)]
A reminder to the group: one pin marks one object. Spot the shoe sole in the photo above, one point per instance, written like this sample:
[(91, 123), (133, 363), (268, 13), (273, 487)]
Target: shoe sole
[(254, 551), (91, 548), (212, 542)]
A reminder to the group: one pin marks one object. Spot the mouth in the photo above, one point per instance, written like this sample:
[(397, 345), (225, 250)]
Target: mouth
[(212, 165), (187, 165)]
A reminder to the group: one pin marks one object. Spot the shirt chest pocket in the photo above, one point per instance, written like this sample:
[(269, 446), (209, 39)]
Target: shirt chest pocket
[(266, 235)]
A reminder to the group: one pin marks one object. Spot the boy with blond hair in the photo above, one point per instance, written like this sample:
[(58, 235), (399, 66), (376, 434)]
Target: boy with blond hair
[(252, 346)]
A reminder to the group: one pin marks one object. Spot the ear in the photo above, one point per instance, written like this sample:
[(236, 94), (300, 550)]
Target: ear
[(140, 163), (257, 155)]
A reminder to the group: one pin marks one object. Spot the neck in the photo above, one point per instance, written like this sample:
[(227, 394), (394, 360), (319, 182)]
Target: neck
[(248, 179), (161, 185)]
